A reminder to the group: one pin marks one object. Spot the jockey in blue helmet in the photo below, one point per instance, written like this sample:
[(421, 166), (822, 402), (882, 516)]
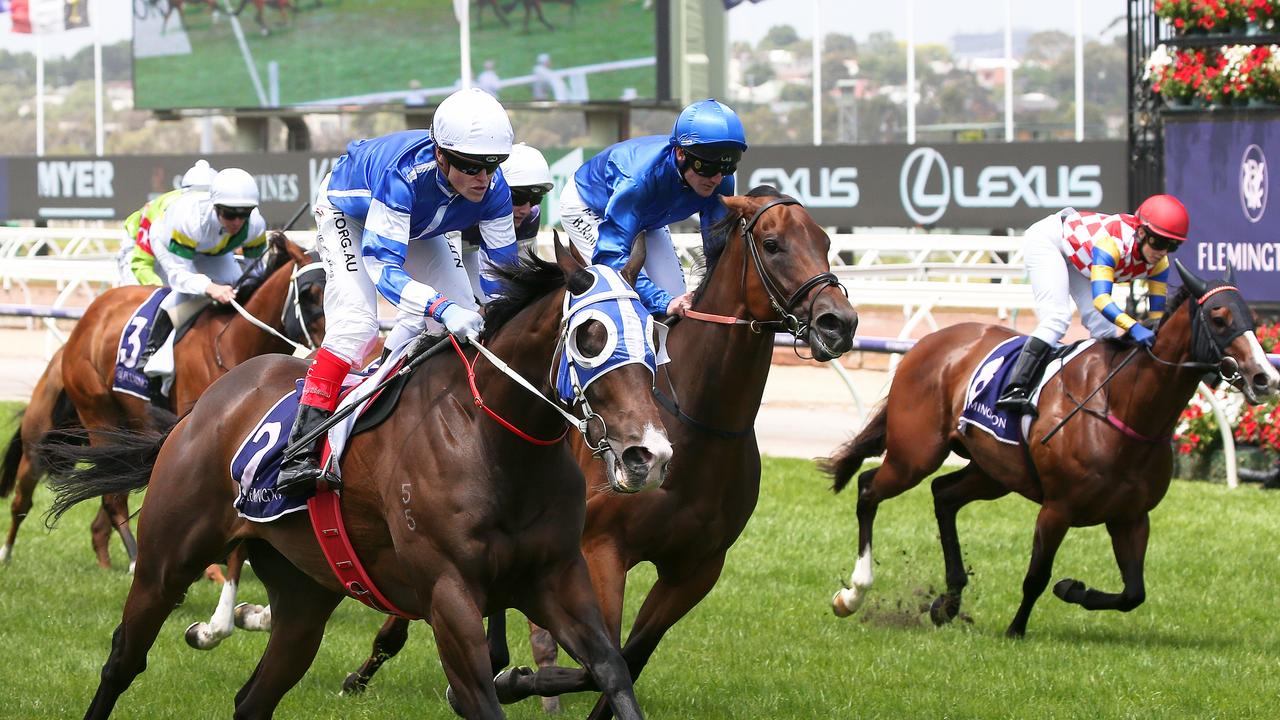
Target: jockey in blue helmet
[(646, 183)]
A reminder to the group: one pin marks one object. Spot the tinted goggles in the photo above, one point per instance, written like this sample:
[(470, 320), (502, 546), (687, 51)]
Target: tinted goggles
[(710, 168), (470, 166), (233, 213), (1159, 242), (527, 196)]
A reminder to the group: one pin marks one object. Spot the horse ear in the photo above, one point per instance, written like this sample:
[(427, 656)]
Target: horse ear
[(1230, 277), (279, 241), (634, 263), (566, 258), (737, 204), (1193, 283)]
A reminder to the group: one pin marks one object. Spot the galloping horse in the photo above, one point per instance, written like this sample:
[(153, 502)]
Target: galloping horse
[(1110, 465), (82, 371), (771, 273), (453, 515)]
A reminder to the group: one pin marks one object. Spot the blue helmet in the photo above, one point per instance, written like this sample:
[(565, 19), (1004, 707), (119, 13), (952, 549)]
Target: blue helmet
[(708, 122)]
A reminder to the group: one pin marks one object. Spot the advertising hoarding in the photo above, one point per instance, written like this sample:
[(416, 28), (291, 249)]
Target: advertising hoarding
[(1219, 170), (371, 52)]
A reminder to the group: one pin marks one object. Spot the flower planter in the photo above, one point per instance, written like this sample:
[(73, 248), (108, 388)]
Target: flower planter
[(1261, 104), (1178, 104), (1211, 466)]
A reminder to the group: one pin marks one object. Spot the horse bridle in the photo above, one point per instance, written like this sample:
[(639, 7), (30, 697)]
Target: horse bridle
[(1208, 351), (782, 305)]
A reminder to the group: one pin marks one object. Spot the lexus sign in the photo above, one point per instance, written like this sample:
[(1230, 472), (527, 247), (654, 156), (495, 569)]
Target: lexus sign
[(989, 185)]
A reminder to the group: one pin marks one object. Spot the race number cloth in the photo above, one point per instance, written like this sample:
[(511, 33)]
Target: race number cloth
[(256, 464), (129, 378), (615, 305), (989, 381)]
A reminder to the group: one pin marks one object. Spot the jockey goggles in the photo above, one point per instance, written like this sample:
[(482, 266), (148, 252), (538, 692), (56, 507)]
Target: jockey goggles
[(527, 195), (1162, 243), (233, 213), (707, 167), (473, 166)]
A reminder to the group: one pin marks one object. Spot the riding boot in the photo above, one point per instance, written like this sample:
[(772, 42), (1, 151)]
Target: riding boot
[(301, 474), (160, 330), (1016, 398)]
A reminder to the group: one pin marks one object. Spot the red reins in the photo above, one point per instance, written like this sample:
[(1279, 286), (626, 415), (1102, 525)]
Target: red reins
[(479, 401)]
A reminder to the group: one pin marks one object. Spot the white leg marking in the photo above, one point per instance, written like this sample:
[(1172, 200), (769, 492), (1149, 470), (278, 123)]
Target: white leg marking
[(254, 618), (847, 601), (5, 553), (206, 636)]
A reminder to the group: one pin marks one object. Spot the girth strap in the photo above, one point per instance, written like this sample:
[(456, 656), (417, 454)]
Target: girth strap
[(326, 519)]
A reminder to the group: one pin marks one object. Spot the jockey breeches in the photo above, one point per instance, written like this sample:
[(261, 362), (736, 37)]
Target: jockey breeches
[(350, 298), (1056, 285), (427, 258)]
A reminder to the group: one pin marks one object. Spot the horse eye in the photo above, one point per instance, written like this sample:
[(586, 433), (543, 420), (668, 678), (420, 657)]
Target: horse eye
[(771, 245), (1219, 322)]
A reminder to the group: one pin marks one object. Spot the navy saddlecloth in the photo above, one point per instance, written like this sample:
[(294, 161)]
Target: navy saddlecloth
[(985, 386), (256, 464), (129, 378)]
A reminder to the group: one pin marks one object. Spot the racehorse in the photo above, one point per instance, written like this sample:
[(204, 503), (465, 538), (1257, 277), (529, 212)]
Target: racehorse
[(454, 516), (530, 7), (1110, 465), (770, 273), (81, 373)]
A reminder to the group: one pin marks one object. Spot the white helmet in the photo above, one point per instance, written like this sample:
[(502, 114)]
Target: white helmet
[(198, 177), (474, 124), (527, 168), (234, 187)]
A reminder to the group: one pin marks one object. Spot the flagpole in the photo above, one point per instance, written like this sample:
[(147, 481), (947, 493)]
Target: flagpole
[(39, 96), (1079, 70), (1008, 70), (464, 19), (817, 77), (97, 89), (911, 72)]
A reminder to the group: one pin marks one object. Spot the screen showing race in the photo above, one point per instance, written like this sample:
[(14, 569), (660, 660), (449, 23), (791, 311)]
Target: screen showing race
[(297, 53)]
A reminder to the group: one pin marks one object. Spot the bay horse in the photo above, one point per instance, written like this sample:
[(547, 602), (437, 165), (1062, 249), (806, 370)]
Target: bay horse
[(453, 515), (1111, 464), (75, 389), (767, 271)]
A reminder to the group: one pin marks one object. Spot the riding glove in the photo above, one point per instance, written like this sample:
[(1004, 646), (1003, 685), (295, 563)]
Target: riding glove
[(462, 322), (1142, 335)]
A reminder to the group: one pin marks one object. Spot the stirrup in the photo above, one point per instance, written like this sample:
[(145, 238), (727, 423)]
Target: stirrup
[(1018, 404), (306, 481)]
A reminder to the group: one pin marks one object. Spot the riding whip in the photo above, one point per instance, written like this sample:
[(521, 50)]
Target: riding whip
[(1080, 406)]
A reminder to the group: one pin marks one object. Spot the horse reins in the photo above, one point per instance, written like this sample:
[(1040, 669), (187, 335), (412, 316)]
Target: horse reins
[(502, 366)]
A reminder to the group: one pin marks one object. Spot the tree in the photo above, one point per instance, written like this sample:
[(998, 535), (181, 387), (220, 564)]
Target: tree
[(780, 36)]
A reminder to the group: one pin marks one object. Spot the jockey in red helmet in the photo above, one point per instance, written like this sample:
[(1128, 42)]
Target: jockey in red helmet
[(1075, 256)]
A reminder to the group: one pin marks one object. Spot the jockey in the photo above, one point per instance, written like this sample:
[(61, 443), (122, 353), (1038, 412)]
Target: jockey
[(194, 243), (1078, 256), (136, 262), (382, 215), (529, 177), (646, 183)]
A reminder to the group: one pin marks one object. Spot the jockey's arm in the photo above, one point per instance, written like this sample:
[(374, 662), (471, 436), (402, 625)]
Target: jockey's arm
[(1102, 274), (384, 245), (1157, 288), (617, 233), (497, 242), (175, 253)]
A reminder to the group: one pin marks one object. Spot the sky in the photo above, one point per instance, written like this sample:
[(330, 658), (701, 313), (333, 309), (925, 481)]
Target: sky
[(935, 20)]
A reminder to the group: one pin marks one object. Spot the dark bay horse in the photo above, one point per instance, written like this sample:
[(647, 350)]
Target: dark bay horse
[(453, 515), (1111, 464), (80, 375), (771, 273)]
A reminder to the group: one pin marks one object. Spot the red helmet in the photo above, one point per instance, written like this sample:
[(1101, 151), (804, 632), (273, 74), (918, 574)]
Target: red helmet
[(1164, 215)]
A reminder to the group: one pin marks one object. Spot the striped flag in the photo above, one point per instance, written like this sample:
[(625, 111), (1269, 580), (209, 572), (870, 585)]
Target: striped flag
[(48, 16)]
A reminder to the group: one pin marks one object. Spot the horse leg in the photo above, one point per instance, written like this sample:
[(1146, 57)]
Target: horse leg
[(950, 493), (544, 647), (23, 492), (117, 508), (1129, 542), (537, 7), (207, 635), (1051, 527), (892, 478), (247, 616), (303, 609), (387, 643), (464, 653), (100, 536)]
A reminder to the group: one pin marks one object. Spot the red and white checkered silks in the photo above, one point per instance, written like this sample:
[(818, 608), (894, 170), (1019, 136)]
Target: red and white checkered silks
[(1079, 229)]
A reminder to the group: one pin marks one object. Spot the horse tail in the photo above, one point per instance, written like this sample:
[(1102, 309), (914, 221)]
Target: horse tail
[(12, 457), (79, 471), (870, 442)]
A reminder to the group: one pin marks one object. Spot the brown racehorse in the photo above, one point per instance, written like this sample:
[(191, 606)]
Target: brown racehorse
[(1110, 464), (219, 340), (454, 516), (772, 273)]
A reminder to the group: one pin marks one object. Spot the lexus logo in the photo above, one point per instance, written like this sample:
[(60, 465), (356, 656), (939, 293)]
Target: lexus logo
[(1253, 183), (920, 167)]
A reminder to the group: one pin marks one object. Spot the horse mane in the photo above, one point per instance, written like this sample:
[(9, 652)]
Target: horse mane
[(1174, 303), (523, 282), (718, 236), (273, 259)]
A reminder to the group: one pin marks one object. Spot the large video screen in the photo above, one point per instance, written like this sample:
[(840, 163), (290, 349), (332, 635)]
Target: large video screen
[(325, 53)]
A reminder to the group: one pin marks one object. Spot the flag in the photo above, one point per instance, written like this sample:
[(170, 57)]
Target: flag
[(49, 16)]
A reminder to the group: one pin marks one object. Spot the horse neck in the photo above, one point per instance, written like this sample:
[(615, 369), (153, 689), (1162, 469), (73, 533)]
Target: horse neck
[(1157, 393), (242, 339), (720, 370)]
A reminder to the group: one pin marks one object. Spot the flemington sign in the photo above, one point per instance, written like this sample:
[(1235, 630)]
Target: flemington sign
[(973, 185), (113, 187)]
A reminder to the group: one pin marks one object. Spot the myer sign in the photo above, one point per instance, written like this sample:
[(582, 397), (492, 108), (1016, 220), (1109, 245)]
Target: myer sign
[(991, 185)]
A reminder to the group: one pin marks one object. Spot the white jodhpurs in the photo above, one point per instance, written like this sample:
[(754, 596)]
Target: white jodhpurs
[(582, 225), (350, 298), (1056, 285)]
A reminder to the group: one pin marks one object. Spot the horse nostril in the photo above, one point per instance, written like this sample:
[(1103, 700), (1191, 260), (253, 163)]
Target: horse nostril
[(637, 459), (837, 331), (1262, 380)]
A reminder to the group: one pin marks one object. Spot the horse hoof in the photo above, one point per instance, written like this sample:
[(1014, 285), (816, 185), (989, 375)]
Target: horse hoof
[(356, 684), (252, 617), (198, 638), (5, 553), (846, 602), (507, 684), (452, 697), (944, 609), (1068, 590)]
